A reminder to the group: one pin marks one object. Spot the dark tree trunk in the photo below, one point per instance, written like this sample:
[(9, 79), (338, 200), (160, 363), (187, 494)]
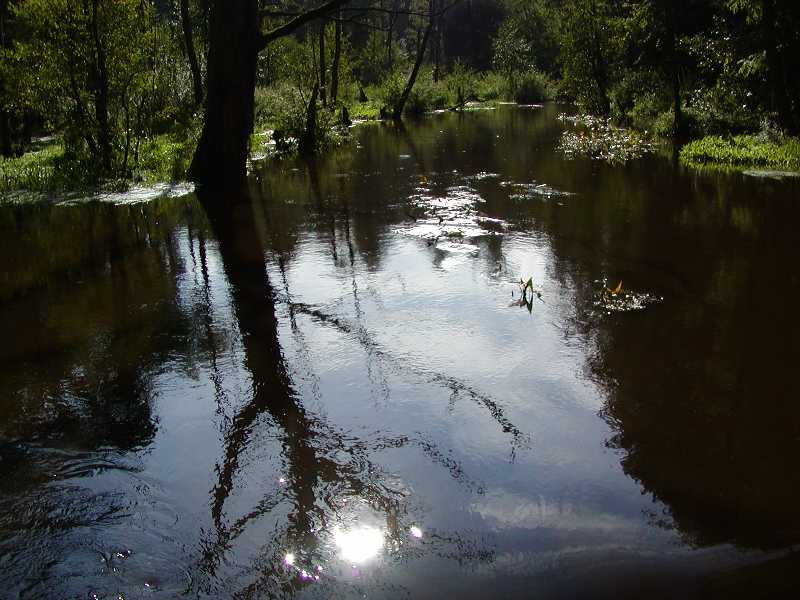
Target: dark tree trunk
[(437, 48), (780, 103), (323, 93), (6, 149), (389, 44), (308, 141), (670, 19), (234, 41), (401, 104), (337, 55), (191, 55), (221, 155), (100, 85)]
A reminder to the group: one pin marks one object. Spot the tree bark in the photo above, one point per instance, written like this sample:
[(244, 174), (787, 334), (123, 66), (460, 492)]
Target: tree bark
[(100, 84), (6, 149), (670, 19), (234, 41), (191, 54), (307, 145), (401, 104), (220, 159), (323, 92), (337, 55)]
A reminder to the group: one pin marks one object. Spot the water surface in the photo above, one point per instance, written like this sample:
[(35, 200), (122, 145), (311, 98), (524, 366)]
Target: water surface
[(332, 389)]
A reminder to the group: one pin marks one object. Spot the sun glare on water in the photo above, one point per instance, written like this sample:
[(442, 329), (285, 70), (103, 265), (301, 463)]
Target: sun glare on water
[(358, 545)]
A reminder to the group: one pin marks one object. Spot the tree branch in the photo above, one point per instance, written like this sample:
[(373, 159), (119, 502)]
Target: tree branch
[(297, 22)]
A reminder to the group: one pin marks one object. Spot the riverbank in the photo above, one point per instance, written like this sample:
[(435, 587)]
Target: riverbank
[(743, 151), (48, 170)]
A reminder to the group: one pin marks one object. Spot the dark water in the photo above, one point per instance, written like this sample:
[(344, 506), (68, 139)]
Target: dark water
[(333, 391)]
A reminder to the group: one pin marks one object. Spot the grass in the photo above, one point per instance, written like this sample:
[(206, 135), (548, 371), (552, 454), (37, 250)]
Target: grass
[(165, 158), (365, 111), (35, 171), (48, 170), (743, 151)]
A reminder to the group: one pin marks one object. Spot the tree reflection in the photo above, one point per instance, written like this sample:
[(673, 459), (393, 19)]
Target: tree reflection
[(700, 389), (325, 468)]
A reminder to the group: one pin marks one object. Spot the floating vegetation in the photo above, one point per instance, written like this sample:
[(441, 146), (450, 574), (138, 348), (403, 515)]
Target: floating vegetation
[(481, 175), (597, 138), (526, 294), (777, 175), (527, 191), (617, 299)]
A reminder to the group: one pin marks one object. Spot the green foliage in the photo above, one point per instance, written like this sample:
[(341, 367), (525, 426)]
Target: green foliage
[(491, 86), (513, 54), (743, 151), (34, 171), (428, 94), (461, 84), (166, 157), (590, 35), (283, 109), (103, 73), (534, 87)]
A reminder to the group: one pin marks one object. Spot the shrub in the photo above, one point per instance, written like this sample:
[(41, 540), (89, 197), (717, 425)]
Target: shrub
[(491, 86), (534, 87)]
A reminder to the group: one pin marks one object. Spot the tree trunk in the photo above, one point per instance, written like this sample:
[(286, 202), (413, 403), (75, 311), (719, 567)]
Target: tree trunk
[(437, 48), (100, 85), (670, 18), (780, 103), (191, 55), (401, 104), (307, 145), (6, 149), (323, 93), (220, 159), (337, 55)]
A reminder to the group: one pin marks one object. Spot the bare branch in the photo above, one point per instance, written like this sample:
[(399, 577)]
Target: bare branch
[(297, 22)]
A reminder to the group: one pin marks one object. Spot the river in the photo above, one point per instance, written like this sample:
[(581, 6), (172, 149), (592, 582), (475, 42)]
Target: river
[(337, 386)]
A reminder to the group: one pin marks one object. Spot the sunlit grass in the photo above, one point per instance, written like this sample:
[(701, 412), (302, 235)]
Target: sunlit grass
[(33, 171), (743, 151)]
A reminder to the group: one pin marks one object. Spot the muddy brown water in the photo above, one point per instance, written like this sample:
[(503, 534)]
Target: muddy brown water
[(331, 389)]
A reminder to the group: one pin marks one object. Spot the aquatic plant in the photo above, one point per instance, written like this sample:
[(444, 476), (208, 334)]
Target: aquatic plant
[(616, 300), (597, 138), (525, 299), (743, 151)]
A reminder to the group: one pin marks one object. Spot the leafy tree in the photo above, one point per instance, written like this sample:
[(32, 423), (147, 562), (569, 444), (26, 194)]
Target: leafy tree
[(87, 66), (590, 49), (513, 55)]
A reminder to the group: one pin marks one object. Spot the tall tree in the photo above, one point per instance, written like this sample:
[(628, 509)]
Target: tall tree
[(191, 53), (235, 40), (84, 65), (588, 49)]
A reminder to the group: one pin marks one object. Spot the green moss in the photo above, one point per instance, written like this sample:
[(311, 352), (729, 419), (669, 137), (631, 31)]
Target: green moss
[(743, 151)]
